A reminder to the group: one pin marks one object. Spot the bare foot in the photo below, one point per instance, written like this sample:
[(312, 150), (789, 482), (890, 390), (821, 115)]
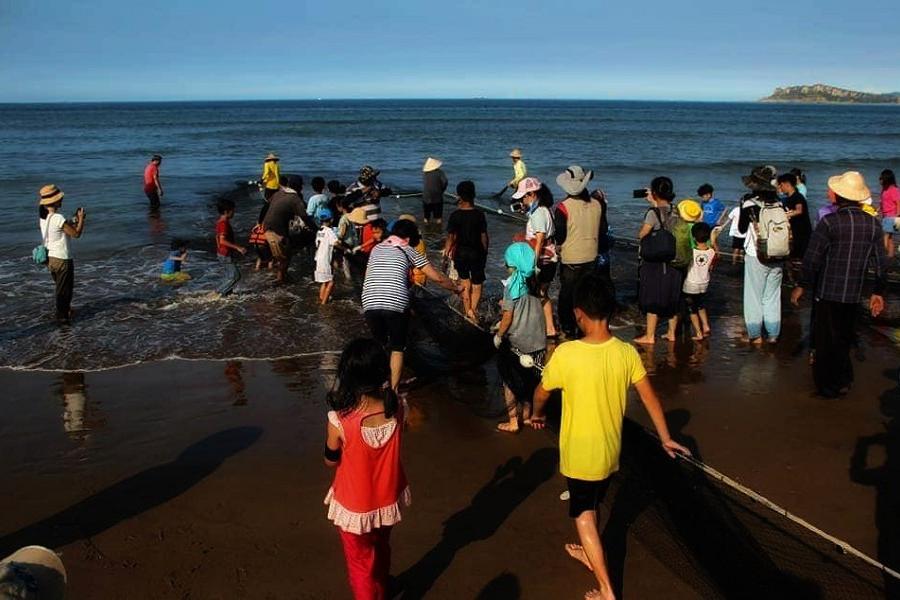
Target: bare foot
[(577, 552), (757, 341), (598, 595), (707, 332), (669, 338), (697, 338), (644, 339), (508, 427)]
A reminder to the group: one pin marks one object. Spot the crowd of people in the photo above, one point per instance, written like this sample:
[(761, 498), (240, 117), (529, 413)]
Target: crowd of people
[(771, 229)]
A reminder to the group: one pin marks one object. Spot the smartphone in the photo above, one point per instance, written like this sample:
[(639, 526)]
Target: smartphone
[(642, 193), (517, 207)]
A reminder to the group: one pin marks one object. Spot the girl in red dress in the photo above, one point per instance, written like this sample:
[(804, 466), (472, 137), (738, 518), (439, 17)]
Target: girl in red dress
[(363, 442)]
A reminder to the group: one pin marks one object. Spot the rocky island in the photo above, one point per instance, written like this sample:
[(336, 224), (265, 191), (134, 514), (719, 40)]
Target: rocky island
[(820, 93)]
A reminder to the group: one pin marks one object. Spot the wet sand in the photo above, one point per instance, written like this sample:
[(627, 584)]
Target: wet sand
[(204, 479)]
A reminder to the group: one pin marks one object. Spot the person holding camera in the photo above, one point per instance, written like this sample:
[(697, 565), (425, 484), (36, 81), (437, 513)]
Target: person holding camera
[(55, 232)]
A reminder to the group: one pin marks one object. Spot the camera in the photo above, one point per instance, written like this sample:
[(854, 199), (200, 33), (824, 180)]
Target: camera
[(642, 193), (517, 207)]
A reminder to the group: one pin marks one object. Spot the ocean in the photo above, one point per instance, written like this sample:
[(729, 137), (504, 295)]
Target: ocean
[(96, 153)]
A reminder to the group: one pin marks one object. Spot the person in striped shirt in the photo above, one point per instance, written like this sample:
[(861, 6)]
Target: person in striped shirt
[(385, 294)]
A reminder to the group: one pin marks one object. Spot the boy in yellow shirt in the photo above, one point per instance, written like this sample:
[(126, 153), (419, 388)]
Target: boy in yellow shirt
[(594, 374)]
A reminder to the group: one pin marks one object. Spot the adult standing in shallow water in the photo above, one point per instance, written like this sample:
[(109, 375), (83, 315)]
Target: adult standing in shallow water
[(520, 171), (659, 286), (434, 184), (369, 191), (385, 293), (271, 175), (152, 186), (284, 205), (762, 280), (577, 224), (836, 262), (56, 231)]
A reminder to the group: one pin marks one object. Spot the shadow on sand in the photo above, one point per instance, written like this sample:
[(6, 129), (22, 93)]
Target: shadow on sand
[(134, 495), (885, 478), (512, 483)]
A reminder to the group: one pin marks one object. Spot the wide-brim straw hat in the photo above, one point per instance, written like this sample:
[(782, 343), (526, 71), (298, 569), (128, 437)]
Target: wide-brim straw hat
[(50, 194), (574, 180), (272, 156), (690, 210), (850, 186), (761, 179), (407, 217), (33, 572), (432, 164), (357, 216), (516, 153)]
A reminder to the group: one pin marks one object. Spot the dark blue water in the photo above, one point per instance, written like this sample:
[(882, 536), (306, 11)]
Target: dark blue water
[(96, 153)]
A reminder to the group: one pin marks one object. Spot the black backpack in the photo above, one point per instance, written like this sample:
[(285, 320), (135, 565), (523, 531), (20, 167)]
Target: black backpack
[(658, 246)]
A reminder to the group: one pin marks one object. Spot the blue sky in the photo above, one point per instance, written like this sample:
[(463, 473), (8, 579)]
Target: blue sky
[(62, 50)]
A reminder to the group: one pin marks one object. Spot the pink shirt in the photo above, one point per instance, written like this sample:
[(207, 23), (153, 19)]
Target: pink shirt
[(890, 201)]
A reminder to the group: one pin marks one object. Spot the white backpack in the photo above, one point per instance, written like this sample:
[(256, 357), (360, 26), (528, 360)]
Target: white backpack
[(773, 233)]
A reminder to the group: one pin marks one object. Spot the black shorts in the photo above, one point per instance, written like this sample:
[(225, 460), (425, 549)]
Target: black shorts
[(470, 266), (153, 197), (737, 243), (389, 328), (585, 495), (268, 193), (433, 211), (548, 273), (520, 381), (695, 302)]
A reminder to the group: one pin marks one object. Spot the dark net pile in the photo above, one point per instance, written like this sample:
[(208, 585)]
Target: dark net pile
[(719, 540)]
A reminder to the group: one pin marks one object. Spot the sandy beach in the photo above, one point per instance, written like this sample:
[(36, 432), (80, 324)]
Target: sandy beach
[(183, 479)]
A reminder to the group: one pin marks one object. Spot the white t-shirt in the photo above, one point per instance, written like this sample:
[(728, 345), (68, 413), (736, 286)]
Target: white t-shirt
[(697, 280), (750, 235), (325, 241), (54, 237), (735, 215), (540, 221)]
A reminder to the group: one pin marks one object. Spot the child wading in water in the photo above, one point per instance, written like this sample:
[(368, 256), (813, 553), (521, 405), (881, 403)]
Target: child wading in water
[(522, 332), (594, 374), (363, 441), (326, 240), (697, 281), (171, 269), (226, 249)]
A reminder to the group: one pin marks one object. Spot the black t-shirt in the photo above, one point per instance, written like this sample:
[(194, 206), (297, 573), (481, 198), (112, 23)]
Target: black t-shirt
[(801, 226), (468, 225)]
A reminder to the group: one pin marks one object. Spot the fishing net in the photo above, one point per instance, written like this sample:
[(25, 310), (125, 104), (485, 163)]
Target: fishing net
[(726, 542)]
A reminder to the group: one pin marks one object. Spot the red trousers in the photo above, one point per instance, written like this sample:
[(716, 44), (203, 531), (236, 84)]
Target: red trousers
[(368, 562)]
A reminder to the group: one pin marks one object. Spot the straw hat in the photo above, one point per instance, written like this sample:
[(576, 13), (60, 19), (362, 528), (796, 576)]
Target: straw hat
[(33, 573), (432, 164), (271, 156), (574, 179), (516, 153), (850, 186), (407, 218), (50, 194), (690, 210), (357, 216)]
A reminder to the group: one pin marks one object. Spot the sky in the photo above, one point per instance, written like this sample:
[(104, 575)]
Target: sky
[(109, 50)]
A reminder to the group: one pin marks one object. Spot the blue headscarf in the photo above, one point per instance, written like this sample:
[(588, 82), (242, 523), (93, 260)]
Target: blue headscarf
[(519, 256)]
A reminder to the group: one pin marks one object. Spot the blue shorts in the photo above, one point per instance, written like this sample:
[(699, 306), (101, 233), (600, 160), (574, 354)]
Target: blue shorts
[(887, 225)]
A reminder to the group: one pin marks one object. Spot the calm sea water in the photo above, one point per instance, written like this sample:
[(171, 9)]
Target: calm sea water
[(96, 153)]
